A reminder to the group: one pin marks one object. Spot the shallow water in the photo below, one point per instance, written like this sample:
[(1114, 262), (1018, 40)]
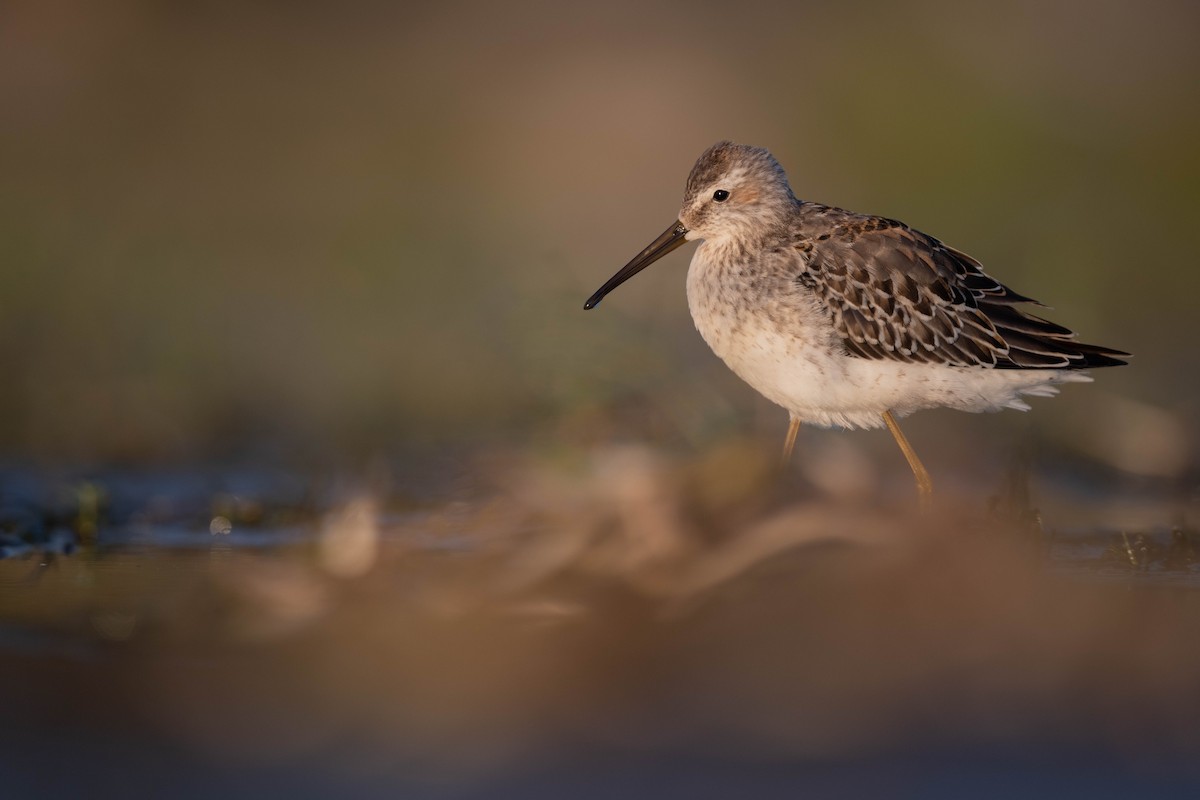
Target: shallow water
[(590, 628)]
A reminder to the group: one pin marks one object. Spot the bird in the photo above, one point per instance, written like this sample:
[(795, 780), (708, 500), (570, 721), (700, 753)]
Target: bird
[(852, 320)]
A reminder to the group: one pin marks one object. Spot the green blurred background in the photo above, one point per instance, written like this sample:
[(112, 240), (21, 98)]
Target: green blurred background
[(232, 229)]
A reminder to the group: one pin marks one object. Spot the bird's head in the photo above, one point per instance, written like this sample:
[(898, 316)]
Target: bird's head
[(734, 191)]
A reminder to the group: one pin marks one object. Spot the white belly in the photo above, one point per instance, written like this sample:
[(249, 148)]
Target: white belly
[(774, 336)]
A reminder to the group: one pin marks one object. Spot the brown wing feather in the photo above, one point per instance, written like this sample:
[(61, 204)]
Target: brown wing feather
[(895, 293)]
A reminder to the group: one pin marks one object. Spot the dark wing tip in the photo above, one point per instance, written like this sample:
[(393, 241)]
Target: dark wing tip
[(1095, 356), (1028, 352)]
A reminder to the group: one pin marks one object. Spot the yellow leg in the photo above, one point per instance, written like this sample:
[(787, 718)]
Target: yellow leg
[(790, 441), (924, 484)]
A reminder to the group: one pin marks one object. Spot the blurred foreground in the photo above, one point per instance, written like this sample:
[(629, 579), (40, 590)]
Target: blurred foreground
[(616, 622)]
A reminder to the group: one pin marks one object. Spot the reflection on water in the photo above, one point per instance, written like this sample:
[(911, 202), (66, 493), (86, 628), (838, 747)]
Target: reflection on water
[(580, 624)]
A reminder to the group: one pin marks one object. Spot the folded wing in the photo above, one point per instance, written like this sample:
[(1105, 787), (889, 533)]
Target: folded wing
[(895, 293)]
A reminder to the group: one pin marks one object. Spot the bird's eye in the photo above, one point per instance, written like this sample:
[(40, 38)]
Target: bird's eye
[(720, 195)]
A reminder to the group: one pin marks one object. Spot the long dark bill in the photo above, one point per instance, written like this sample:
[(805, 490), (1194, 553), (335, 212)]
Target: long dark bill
[(671, 238)]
